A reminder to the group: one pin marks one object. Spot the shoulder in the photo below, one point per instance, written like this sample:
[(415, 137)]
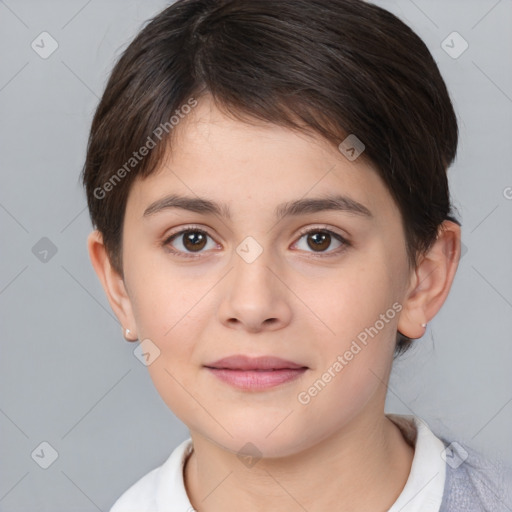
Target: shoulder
[(140, 496), (156, 489), (475, 482)]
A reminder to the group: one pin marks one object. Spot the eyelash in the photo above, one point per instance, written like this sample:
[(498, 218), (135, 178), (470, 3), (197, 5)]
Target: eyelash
[(346, 244)]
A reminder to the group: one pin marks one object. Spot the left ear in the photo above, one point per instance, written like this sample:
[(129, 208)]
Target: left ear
[(431, 281)]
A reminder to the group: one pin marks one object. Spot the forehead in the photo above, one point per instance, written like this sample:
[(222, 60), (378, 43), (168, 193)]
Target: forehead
[(257, 164)]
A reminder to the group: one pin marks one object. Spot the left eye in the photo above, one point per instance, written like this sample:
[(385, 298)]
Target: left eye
[(321, 239)]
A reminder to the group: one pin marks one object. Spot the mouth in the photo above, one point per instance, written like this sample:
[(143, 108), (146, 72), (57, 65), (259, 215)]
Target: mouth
[(254, 374), (261, 363)]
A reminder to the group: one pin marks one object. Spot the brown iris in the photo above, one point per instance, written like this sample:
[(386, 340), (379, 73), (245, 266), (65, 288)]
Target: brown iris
[(194, 240), (321, 240)]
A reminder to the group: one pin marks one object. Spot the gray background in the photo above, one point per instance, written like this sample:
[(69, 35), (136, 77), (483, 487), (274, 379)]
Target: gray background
[(68, 377)]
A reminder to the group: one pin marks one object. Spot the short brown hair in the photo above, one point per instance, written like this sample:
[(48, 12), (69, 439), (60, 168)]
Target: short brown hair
[(332, 67)]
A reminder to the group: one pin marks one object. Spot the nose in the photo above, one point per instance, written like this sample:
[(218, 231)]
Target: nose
[(255, 295)]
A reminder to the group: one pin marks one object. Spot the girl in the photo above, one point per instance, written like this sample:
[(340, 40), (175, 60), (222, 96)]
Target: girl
[(268, 183)]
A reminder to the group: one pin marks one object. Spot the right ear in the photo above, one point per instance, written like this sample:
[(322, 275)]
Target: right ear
[(113, 284)]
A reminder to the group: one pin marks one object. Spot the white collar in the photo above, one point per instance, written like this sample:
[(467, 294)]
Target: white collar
[(423, 491), (163, 489)]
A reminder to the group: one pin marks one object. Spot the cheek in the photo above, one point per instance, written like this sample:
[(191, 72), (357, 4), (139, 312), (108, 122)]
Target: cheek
[(353, 365), (172, 322), (361, 312), (357, 300), (168, 310), (161, 295)]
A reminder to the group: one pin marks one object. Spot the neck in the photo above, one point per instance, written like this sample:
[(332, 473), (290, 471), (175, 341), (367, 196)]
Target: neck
[(365, 466)]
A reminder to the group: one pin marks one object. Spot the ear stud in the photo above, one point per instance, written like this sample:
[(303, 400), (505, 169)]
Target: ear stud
[(128, 334)]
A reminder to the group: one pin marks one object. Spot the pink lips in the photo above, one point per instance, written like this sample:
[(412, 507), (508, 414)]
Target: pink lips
[(255, 373)]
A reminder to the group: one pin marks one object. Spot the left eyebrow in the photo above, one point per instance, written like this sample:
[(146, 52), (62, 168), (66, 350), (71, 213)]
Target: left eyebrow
[(291, 208), (313, 205)]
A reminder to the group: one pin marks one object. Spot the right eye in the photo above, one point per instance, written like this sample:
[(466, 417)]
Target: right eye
[(192, 240)]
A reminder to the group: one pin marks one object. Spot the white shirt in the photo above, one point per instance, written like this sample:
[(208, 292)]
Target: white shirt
[(163, 488)]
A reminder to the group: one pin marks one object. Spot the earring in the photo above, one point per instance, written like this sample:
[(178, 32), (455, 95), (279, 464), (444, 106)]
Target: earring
[(423, 325), (127, 333)]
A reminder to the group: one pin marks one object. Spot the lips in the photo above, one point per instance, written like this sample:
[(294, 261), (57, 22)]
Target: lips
[(255, 374), (261, 363)]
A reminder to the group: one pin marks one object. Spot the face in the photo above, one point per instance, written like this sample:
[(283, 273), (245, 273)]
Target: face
[(320, 287)]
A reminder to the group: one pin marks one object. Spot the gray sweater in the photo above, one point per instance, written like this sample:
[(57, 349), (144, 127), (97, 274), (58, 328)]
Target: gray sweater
[(475, 483)]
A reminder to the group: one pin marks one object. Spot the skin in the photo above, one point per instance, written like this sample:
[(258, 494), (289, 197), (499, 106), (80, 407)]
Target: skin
[(290, 302)]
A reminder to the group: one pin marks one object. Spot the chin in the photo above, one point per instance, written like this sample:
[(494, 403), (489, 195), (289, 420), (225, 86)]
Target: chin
[(249, 440)]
